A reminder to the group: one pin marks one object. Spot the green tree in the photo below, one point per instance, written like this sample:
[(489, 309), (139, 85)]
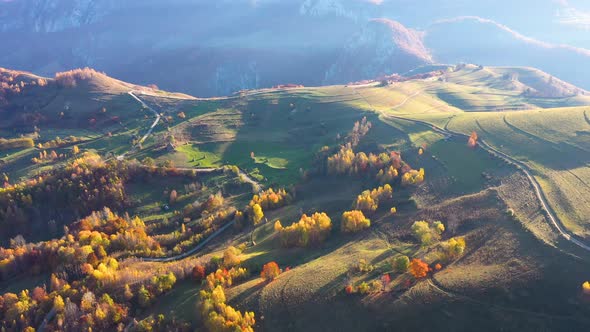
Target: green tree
[(401, 264), (144, 297)]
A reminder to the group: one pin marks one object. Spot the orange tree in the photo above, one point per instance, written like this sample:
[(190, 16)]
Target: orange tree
[(418, 268), (270, 271)]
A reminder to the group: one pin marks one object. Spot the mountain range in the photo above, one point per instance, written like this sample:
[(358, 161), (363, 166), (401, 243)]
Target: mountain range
[(217, 48)]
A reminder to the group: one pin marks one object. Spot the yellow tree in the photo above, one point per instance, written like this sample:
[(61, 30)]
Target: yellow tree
[(354, 221), (257, 214)]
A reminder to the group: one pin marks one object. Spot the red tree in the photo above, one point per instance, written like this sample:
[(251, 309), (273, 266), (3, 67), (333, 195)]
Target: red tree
[(472, 142), (199, 272)]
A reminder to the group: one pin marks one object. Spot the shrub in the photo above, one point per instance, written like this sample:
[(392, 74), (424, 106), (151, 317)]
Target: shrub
[(363, 266), (349, 289), (401, 264), (363, 288)]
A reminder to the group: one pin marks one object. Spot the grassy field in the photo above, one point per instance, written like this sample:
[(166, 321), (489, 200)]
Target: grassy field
[(282, 128), (554, 143), (508, 263)]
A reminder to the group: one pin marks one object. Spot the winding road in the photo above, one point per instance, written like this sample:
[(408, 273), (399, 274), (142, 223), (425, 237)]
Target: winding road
[(146, 106), (149, 132), (191, 251)]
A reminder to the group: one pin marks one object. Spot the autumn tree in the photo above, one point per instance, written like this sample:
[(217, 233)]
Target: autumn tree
[(354, 221), (427, 233), (173, 196), (413, 177), (231, 257), (455, 247), (198, 272), (472, 141), (256, 214), (418, 268), (270, 271), (144, 297)]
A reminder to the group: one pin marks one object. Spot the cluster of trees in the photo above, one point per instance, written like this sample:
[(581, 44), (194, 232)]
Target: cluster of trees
[(180, 241), (86, 185), (75, 309), (359, 130), (108, 230), (267, 200), (83, 251), (16, 143), (161, 323), (58, 142), (455, 247), (430, 232), (158, 285), (270, 199), (413, 177), (354, 221), (427, 233), (387, 175), (368, 201), (309, 230), (44, 156), (211, 204), (346, 161), (216, 314), (87, 292), (372, 287), (69, 79), (14, 82), (231, 257), (225, 278)]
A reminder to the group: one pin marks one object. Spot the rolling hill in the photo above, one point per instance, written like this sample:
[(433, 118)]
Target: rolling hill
[(509, 274)]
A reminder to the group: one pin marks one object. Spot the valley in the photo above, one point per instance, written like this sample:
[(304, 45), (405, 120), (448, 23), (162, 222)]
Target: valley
[(453, 196)]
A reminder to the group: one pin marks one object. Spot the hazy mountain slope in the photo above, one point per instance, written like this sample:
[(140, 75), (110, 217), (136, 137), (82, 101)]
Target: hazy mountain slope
[(391, 47), (215, 48), (490, 43)]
